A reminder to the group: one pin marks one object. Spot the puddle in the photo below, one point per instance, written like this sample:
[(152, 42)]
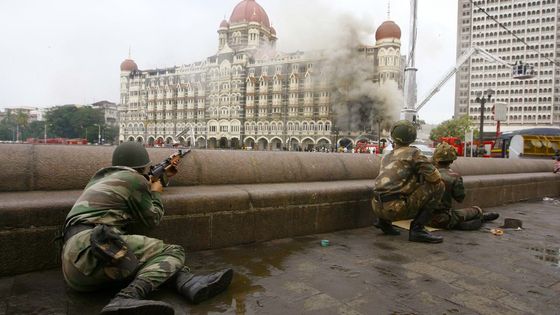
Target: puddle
[(547, 254), (233, 299)]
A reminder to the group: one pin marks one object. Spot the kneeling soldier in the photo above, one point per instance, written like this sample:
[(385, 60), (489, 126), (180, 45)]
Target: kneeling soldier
[(444, 216), (408, 187), (98, 253)]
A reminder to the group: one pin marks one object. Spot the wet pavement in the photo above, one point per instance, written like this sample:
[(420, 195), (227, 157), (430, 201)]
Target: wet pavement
[(361, 272)]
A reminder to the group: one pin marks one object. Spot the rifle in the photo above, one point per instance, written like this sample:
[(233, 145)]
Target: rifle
[(157, 171)]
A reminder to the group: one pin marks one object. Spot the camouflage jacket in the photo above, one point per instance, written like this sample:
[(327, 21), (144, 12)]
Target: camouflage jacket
[(454, 189), (117, 196), (403, 169)]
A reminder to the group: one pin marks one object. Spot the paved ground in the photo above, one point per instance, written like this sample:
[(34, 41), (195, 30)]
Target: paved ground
[(362, 272)]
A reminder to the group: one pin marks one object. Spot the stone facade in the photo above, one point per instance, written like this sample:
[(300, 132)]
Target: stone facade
[(248, 95)]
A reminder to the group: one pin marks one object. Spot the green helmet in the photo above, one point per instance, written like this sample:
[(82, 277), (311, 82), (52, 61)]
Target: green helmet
[(131, 154), (445, 153), (403, 132)]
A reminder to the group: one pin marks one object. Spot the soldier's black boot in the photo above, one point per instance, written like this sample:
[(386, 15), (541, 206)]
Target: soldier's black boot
[(489, 216), (130, 300), (199, 288), (418, 232), (470, 225), (386, 227)]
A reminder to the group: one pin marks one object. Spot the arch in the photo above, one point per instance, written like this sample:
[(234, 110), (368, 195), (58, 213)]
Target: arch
[(201, 142), (249, 143), (276, 144), (223, 143), (131, 138), (262, 144), (294, 144), (307, 143), (169, 140), (140, 139), (212, 143)]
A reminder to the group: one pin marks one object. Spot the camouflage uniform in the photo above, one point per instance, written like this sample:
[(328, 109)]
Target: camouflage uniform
[(412, 179), (116, 197), (444, 216)]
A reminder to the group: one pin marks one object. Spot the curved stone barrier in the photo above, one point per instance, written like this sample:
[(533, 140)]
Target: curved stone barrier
[(225, 198)]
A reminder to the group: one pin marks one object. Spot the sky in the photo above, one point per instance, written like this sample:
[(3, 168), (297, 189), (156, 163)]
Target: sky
[(68, 51)]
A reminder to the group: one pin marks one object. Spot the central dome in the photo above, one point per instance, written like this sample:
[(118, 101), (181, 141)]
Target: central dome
[(249, 11)]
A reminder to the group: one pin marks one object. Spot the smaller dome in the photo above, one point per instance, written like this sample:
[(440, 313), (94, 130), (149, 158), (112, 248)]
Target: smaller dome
[(129, 65), (224, 24), (388, 29), (272, 31)]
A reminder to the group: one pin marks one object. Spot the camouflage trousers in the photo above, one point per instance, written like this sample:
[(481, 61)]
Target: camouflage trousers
[(426, 195), (448, 219), (157, 262)]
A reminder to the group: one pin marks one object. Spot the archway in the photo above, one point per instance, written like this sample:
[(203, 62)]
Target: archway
[(151, 141), (169, 140), (262, 144), (212, 143), (345, 143), (140, 139), (294, 145), (201, 143), (131, 138), (276, 144), (223, 143), (249, 143), (323, 144), (159, 142), (235, 144), (308, 144)]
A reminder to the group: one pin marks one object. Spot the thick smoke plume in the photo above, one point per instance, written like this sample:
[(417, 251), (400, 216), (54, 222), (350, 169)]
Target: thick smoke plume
[(358, 102)]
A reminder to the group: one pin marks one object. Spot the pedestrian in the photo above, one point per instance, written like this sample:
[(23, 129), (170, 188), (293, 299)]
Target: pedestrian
[(99, 253), (408, 186), (557, 164), (444, 216)]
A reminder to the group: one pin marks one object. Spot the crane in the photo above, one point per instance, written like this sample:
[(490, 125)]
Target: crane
[(520, 71)]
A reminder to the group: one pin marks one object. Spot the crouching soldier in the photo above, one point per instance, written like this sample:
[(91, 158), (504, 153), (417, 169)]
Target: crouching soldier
[(444, 216), (408, 187), (98, 253)]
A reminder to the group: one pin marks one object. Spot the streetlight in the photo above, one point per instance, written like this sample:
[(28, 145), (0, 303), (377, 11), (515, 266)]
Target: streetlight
[(335, 130), (482, 98), (98, 133), (45, 132)]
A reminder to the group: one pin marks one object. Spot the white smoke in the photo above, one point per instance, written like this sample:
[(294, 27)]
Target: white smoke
[(358, 102)]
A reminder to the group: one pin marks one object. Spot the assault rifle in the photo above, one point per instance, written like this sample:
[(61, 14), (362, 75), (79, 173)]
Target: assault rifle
[(157, 171)]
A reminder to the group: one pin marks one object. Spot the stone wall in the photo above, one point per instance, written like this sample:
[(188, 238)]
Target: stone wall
[(225, 198)]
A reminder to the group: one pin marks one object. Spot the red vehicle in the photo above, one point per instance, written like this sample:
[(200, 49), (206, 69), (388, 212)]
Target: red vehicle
[(366, 147), (455, 142)]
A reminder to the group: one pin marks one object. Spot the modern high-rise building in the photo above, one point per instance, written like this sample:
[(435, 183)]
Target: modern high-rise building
[(531, 102), (249, 94)]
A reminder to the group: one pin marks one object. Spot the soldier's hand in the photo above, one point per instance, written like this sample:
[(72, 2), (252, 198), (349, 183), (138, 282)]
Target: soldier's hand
[(156, 186), (171, 170)]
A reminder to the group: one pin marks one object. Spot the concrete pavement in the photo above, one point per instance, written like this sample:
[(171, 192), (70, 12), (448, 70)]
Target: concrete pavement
[(361, 272)]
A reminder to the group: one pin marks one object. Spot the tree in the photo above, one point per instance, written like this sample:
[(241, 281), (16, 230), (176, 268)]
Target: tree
[(455, 127), (69, 121)]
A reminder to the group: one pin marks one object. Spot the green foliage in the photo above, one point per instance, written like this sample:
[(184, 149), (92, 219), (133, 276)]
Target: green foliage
[(70, 121), (452, 128)]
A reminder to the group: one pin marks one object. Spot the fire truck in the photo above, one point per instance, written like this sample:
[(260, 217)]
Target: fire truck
[(366, 147)]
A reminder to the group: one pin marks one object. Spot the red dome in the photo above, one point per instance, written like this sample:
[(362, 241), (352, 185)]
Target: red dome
[(224, 24), (388, 29), (249, 11), (129, 65)]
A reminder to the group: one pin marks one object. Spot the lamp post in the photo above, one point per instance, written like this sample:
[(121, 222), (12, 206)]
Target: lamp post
[(482, 98), (335, 131), (98, 133)]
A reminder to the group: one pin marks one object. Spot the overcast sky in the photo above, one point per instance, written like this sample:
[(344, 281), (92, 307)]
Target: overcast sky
[(69, 51)]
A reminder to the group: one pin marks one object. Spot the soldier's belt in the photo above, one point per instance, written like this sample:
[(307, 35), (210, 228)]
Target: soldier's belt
[(75, 229)]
